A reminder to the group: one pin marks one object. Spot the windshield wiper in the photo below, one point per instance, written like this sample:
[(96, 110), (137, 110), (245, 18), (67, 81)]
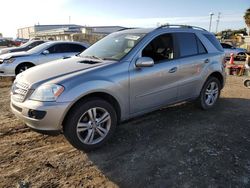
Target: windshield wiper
[(93, 57), (110, 58)]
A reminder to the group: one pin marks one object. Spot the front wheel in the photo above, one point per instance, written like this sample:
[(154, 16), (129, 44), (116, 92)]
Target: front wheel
[(247, 83), (90, 124), (23, 67), (209, 93)]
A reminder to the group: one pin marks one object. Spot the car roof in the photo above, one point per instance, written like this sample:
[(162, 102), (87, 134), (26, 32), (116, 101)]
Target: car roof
[(66, 42)]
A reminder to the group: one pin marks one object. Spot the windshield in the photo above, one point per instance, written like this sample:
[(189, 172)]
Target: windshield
[(113, 47), (39, 48)]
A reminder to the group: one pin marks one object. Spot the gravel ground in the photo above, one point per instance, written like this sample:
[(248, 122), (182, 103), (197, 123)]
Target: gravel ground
[(178, 146)]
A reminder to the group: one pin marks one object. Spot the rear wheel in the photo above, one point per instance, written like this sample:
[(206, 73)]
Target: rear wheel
[(90, 124), (209, 93)]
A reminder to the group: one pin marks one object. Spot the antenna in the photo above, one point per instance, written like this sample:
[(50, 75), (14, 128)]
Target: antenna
[(217, 22)]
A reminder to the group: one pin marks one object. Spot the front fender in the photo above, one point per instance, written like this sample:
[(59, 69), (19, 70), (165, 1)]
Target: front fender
[(73, 94)]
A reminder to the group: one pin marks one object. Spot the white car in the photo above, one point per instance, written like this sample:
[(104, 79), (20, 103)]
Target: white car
[(239, 53), (12, 64)]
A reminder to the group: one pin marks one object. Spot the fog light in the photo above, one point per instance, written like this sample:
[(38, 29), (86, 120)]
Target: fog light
[(36, 114)]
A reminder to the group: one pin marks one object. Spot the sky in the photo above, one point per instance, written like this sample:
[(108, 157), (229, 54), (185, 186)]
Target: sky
[(15, 14)]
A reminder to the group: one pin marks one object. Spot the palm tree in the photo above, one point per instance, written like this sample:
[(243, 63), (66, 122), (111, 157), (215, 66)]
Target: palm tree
[(247, 19)]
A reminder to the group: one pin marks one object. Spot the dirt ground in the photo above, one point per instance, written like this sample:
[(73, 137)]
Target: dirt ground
[(178, 146)]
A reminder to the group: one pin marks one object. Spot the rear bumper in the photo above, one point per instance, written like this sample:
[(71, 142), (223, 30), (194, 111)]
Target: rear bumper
[(49, 121)]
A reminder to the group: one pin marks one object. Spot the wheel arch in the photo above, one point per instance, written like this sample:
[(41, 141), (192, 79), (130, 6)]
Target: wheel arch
[(23, 63), (101, 95), (219, 76)]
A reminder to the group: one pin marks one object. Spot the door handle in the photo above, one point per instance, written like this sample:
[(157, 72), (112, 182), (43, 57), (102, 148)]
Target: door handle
[(206, 61), (172, 70)]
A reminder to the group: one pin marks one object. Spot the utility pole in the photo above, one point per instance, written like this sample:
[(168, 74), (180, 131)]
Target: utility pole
[(217, 22), (210, 23), (69, 19)]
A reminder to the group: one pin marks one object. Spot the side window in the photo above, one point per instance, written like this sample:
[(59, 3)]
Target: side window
[(34, 44), (224, 45), (187, 44), (214, 42), (159, 49), (76, 48), (201, 48), (57, 48)]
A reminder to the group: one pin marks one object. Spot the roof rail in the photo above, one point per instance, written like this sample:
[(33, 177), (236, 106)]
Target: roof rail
[(181, 26), (127, 28)]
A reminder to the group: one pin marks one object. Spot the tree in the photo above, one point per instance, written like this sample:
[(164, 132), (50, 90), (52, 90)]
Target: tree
[(247, 19), (1, 35)]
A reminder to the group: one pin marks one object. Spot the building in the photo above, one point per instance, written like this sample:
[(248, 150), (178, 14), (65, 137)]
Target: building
[(67, 32), (30, 32)]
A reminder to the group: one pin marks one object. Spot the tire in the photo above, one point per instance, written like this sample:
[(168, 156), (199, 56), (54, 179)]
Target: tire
[(84, 133), (209, 94), (22, 67), (247, 84), (241, 56)]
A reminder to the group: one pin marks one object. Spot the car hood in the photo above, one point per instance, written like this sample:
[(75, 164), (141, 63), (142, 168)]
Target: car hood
[(13, 55), (56, 69)]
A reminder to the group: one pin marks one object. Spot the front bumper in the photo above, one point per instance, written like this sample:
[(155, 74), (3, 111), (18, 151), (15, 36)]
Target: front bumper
[(7, 70), (51, 121)]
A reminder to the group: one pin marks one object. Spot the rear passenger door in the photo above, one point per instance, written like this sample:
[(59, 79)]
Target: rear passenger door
[(192, 59)]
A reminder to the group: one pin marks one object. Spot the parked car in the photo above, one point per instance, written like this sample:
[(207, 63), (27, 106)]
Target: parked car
[(14, 63), (20, 41), (239, 53), (6, 42), (124, 75), (25, 47)]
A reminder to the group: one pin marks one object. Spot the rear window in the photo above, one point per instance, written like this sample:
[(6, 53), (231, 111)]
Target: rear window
[(187, 44), (214, 41)]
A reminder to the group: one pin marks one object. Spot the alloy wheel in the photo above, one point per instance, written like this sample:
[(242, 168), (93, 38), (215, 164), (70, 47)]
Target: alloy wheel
[(93, 126), (212, 93)]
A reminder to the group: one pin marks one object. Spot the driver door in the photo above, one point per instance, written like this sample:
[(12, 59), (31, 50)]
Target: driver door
[(152, 87)]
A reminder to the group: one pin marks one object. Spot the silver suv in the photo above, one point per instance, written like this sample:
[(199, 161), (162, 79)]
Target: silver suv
[(14, 63), (126, 74)]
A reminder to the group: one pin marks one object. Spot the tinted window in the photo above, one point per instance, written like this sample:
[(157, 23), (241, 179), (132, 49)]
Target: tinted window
[(36, 43), (214, 41), (187, 44), (224, 45), (76, 48), (65, 48), (201, 48), (160, 48)]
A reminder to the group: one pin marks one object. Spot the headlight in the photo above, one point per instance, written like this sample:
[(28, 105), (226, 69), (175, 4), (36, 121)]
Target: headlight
[(47, 93), (4, 51), (11, 60)]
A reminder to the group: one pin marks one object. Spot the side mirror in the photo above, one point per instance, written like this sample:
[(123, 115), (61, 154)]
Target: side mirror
[(144, 62), (45, 52)]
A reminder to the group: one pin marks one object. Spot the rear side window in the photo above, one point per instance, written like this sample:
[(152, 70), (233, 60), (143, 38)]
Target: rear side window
[(214, 41), (201, 48), (187, 44)]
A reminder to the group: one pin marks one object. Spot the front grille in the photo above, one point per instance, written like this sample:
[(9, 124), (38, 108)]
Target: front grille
[(19, 91)]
